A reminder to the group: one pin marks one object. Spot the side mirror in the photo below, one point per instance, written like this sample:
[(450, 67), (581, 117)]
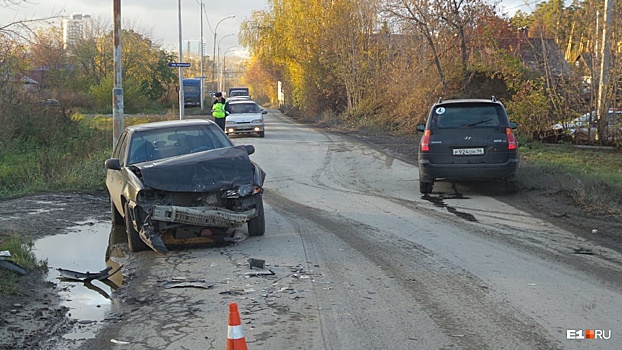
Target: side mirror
[(112, 164), (513, 125), (421, 127), (250, 149), (264, 112)]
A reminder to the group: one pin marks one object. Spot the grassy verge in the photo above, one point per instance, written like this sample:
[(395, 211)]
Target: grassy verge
[(21, 253), (591, 178)]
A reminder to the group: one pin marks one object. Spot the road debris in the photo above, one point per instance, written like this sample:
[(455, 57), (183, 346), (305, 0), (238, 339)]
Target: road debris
[(582, 250), (237, 291), (238, 236), (120, 342), (259, 273), (188, 284), (104, 274), (258, 263), (12, 266)]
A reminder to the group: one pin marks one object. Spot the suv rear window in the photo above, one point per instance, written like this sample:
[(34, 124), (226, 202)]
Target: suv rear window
[(467, 115)]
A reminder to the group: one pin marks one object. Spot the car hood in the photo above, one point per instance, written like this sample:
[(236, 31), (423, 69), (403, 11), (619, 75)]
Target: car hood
[(213, 170), (243, 117)]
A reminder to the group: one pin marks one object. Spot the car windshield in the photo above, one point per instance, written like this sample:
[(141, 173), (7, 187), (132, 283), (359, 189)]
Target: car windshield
[(238, 93), (244, 108), (175, 141), (467, 115)]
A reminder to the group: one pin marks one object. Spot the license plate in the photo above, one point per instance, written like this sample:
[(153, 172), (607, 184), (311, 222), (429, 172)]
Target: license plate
[(468, 151)]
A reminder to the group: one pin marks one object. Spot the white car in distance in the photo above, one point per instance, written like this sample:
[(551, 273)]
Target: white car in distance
[(246, 117)]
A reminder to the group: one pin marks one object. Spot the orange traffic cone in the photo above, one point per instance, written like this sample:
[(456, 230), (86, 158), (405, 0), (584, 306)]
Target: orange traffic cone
[(235, 334)]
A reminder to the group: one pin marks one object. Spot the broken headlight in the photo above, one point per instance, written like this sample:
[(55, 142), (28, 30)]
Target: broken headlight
[(242, 191)]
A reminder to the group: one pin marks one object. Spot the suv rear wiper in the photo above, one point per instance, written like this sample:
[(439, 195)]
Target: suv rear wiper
[(479, 122)]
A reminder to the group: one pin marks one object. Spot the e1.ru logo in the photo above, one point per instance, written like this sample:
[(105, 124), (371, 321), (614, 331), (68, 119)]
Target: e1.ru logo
[(588, 334)]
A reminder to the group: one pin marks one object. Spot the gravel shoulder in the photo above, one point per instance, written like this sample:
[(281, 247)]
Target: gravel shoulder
[(29, 319)]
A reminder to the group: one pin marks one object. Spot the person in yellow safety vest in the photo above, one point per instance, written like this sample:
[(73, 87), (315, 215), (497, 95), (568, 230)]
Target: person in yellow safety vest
[(220, 110)]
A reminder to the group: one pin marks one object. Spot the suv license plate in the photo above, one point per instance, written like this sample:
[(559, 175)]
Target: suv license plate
[(468, 151)]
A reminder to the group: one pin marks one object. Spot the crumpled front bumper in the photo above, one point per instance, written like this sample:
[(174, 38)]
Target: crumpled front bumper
[(202, 216)]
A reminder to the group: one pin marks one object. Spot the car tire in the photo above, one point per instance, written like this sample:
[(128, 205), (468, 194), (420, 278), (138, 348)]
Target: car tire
[(116, 217), (511, 185), (426, 187), (262, 134), (257, 225), (133, 238)]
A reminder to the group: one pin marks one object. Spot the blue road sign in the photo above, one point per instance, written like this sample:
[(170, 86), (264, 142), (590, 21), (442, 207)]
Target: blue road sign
[(178, 64)]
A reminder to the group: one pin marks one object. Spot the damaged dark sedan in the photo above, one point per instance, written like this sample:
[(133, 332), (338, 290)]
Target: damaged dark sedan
[(185, 178)]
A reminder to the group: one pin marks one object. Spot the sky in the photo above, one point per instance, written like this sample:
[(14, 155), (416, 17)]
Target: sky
[(160, 18)]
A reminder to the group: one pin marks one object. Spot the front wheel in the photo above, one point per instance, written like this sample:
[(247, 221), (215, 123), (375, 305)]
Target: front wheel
[(133, 238), (262, 134), (117, 218), (257, 225)]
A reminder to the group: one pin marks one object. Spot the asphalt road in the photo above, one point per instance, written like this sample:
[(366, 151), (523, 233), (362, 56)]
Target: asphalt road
[(362, 261)]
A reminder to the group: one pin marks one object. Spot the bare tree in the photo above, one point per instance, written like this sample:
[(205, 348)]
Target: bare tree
[(419, 13), (21, 28)]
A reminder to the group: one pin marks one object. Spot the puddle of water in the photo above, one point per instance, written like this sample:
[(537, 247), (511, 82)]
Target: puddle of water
[(85, 248), (439, 201)]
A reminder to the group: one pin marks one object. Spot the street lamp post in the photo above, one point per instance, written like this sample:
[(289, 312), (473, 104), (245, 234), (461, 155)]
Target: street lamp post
[(218, 68), (214, 51), (202, 64), (224, 76)]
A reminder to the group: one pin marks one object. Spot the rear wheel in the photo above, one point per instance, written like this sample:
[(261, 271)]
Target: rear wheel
[(511, 185), (257, 225), (133, 238), (425, 187)]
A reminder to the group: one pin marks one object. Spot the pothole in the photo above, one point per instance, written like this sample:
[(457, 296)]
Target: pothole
[(86, 249)]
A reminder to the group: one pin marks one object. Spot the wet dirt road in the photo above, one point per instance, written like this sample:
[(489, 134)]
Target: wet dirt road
[(362, 261)]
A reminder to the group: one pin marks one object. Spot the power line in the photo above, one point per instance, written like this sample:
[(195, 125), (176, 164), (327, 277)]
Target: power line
[(523, 5)]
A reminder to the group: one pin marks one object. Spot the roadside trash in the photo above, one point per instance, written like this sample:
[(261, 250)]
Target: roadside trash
[(188, 284), (582, 250), (5, 254), (259, 273), (238, 236), (594, 231), (258, 263), (87, 276), (237, 291), (120, 342), (12, 266)]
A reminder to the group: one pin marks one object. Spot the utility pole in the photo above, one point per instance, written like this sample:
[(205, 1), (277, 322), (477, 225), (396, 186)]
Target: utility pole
[(117, 90), (202, 64), (603, 108), (181, 69)]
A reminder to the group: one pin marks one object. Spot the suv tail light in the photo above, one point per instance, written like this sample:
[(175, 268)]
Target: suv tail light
[(425, 141), (511, 139)]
